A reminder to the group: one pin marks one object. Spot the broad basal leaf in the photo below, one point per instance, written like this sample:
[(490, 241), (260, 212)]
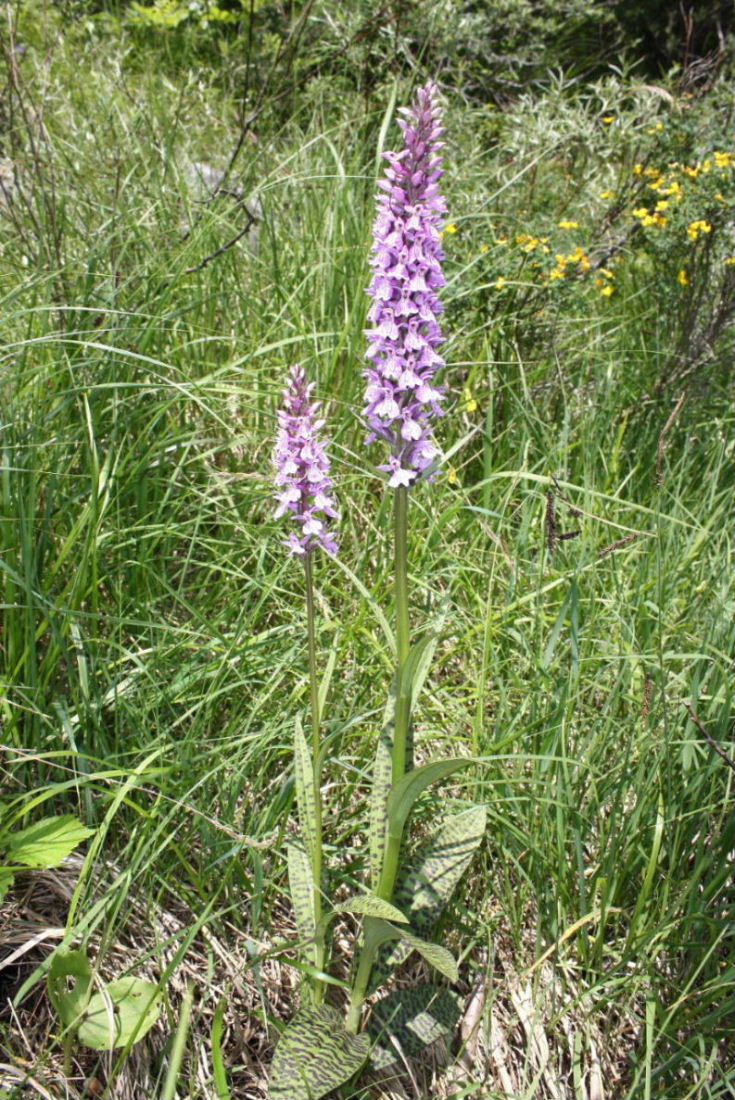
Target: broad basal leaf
[(315, 1054), (407, 1021), (123, 1011), (301, 888), (46, 843), (370, 905)]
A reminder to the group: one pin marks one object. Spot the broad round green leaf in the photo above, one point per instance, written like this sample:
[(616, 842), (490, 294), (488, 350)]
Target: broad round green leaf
[(125, 1010)]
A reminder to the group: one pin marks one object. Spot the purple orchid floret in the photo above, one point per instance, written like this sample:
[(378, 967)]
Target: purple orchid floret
[(407, 255), (304, 487)]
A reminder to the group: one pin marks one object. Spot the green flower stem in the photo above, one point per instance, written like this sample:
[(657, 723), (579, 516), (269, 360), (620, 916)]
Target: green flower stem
[(401, 763), (316, 855), (362, 977), (401, 751)]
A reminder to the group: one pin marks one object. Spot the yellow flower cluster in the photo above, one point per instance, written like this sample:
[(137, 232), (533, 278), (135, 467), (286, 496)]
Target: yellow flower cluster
[(694, 229), (648, 218), (577, 256), (527, 243), (667, 188), (604, 283)]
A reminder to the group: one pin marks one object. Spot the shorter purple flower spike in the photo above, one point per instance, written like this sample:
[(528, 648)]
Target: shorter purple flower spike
[(303, 484)]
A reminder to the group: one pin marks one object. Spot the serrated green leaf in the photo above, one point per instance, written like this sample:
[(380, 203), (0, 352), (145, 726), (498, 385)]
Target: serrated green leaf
[(370, 905), (301, 888), (305, 790), (315, 1054), (69, 982), (407, 790), (122, 1012), (431, 875), (404, 1023), (46, 843)]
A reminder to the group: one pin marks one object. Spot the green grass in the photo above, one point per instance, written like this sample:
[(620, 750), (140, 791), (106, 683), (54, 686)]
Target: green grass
[(153, 656)]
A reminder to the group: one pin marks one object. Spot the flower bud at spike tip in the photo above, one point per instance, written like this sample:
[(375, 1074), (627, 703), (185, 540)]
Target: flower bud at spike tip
[(303, 484), (406, 261)]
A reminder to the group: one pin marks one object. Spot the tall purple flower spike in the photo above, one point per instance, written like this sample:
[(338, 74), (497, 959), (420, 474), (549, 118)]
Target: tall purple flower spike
[(303, 484), (406, 261)]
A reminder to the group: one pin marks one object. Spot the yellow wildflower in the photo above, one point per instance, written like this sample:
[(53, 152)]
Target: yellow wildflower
[(638, 169), (608, 290), (607, 194), (557, 273), (730, 261), (452, 476), (673, 188), (647, 218), (484, 247), (450, 228), (500, 282), (697, 227), (683, 277), (469, 401), (724, 160), (691, 172), (567, 223), (662, 204), (580, 257), (607, 119)]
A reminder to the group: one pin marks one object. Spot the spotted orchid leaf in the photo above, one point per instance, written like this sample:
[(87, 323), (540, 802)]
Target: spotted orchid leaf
[(301, 888), (305, 790), (431, 876), (315, 1054), (407, 1021), (371, 905)]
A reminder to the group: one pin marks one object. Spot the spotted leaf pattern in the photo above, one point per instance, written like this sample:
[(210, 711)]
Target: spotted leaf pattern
[(432, 874), (305, 791), (301, 887), (407, 1021), (315, 1054)]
